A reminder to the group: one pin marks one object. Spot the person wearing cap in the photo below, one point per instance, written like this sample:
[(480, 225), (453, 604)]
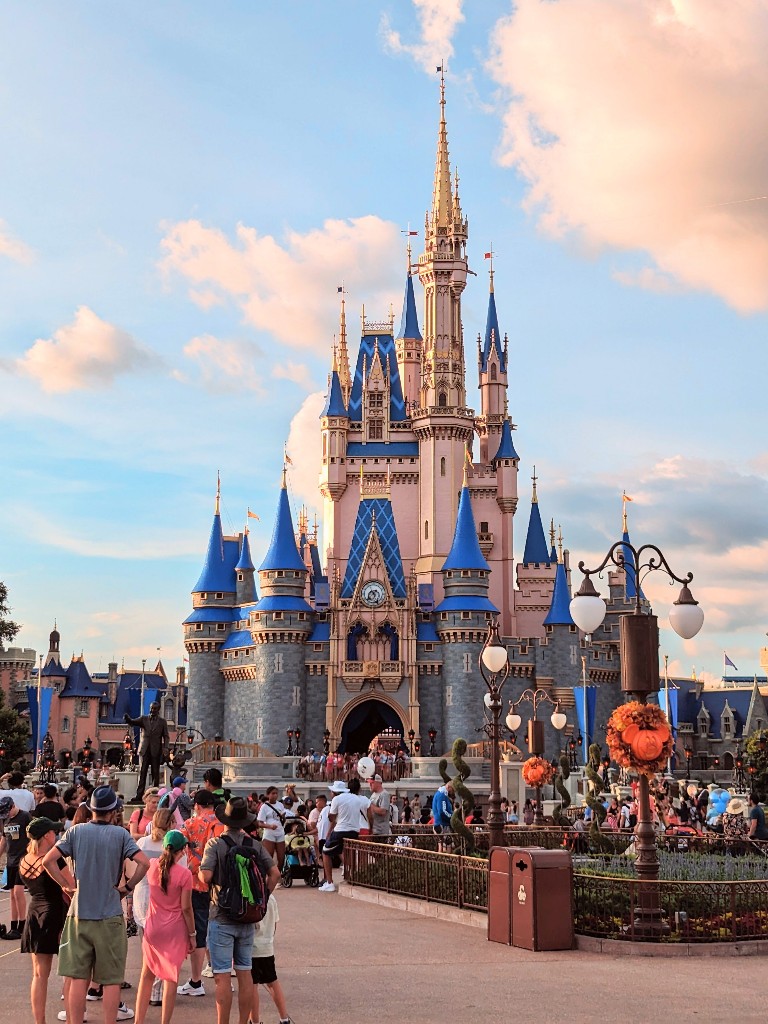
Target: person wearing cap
[(344, 818), (47, 909), (202, 826), (230, 942), (13, 842), (93, 942), (169, 930), (182, 798), (378, 809)]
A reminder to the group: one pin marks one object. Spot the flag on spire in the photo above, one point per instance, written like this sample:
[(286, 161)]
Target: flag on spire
[(727, 662), (252, 515)]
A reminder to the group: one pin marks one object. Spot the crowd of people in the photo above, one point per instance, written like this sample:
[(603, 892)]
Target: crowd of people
[(333, 766)]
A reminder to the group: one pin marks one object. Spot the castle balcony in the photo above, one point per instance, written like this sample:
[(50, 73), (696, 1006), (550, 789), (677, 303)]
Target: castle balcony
[(357, 673), (486, 542)]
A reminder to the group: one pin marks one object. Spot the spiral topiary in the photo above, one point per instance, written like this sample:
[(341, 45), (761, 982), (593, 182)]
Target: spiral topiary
[(463, 771), (443, 769), (594, 802), (565, 796)]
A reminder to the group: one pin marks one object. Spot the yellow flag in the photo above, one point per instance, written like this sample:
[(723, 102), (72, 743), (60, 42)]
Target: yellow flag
[(252, 515), (626, 497)]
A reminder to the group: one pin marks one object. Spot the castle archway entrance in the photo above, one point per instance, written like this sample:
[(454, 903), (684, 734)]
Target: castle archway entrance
[(366, 720)]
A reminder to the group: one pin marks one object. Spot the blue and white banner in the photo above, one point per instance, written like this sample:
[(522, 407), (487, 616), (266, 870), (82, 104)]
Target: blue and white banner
[(586, 716)]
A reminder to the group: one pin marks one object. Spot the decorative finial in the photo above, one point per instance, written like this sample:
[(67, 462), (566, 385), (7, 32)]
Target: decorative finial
[(559, 543), (217, 510), (534, 499), (624, 499), (551, 533), (441, 69), (409, 234), (489, 256), (334, 364), (467, 464)]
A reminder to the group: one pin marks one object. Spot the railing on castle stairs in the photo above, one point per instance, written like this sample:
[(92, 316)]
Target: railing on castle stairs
[(214, 750)]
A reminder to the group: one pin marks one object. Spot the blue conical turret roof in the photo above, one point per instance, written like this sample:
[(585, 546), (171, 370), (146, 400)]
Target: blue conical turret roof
[(245, 562), (630, 571), (465, 552), (492, 336), (506, 445), (216, 574), (559, 613), (282, 552), (409, 323), (535, 542), (334, 403)]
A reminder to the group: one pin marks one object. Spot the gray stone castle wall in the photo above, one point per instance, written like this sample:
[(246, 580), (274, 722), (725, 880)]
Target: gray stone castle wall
[(261, 710), (205, 709), (463, 693)]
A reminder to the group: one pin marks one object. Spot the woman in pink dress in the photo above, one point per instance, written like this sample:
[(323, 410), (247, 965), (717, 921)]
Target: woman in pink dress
[(169, 932)]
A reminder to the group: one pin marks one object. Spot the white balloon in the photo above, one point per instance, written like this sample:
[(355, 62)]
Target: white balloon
[(366, 767)]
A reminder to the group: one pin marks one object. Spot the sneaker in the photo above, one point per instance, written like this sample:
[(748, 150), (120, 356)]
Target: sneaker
[(14, 935), (124, 1012), (62, 1015), (191, 990), (327, 887), (207, 971), (94, 993)]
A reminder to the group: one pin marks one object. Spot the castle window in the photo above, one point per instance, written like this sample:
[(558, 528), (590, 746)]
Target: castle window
[(82, 706), (278, 663), (203, 597), (467, 662), (248, 652), (442, 467), (465, 573), (429, 647), (220, 596), (375, 400), (302, 616), (426, 529), (442, 400), (549, 629), (443, 615), (240, 577), (235, 654), (280, 573), (169, 709), (277, 615), (466, 615), (199, 626), (484, 528), (296, 702), (325, 446), (220, 627), (375, 430), (449, 695), (259, 728), (317, 647), (493, 371), (65, 724)]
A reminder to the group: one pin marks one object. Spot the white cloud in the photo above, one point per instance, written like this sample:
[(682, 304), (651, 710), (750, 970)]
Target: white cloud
[(290, 289), (641, 125), (223, 365), (297, 373), (438, 21), (86, 354), (13, 247), (304, 446)]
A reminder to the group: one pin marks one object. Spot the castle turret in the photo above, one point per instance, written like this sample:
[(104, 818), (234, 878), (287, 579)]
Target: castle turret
[(206, 628), (270, 698), (492, 373), (461, 620), (244, 573), (535, 575), (408, 344)]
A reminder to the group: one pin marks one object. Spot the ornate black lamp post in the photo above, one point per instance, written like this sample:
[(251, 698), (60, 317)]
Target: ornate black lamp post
[(573, 763), (535, 737), (688, 756), (289, 751), (739, 775), (297, 734), (411, 738), (432, 737), (606, 763), (494, 668), (326, 741), (639, 649)]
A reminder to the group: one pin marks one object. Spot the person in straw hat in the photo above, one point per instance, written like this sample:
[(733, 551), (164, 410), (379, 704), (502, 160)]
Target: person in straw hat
[(734, 820)]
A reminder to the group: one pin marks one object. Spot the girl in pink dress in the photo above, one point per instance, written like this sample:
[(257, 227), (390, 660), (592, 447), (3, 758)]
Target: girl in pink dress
[(169, 932)]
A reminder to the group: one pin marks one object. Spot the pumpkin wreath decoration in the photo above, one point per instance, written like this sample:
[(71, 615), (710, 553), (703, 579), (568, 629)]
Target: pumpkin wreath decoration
[(537, 771), (639, 737)]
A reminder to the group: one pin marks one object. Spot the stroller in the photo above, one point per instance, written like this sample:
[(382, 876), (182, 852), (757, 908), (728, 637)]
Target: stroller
[(295, 840)]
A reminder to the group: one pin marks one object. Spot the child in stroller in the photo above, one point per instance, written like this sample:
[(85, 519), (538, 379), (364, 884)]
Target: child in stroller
[(300, 859)]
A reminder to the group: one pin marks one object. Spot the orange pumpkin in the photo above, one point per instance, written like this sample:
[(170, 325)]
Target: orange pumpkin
[(647, 744)]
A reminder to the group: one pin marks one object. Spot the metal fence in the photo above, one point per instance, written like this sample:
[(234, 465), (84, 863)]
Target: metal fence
[(694, 911), (447, 878)]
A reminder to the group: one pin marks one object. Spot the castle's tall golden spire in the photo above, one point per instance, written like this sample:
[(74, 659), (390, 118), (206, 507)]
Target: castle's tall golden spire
[(442, 198), (534, 498), (217, 509), (342, 355)]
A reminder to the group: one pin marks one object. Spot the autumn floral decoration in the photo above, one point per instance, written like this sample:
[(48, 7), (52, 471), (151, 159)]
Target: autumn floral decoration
[(537, 771), (639, 737)]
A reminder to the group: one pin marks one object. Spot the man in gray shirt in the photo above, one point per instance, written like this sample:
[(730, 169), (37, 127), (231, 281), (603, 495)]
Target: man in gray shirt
[(231, 942), (93, 942), (378, 809)]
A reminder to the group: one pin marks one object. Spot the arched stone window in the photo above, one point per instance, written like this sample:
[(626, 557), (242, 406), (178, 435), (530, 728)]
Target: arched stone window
[(426, 529), (442, 400), (442, 467)]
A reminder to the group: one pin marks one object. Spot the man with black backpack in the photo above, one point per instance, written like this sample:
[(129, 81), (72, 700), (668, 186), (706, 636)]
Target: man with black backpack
[(241, 875)]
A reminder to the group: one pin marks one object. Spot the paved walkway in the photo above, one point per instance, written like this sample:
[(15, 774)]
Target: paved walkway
[(341, 961)]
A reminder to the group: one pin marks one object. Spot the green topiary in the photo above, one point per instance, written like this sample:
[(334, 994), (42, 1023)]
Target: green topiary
[(463, 771), (565, 796), (599, 813), (443, 769)]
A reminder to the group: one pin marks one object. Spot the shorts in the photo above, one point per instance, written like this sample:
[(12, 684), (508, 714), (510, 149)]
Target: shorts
[(12, 876), (94, 948), (335, 842), (229, 944), (263, 970), (201, 904)]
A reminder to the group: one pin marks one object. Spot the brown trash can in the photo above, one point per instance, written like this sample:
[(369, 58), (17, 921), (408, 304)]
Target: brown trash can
[(542, 898), (500, 895)]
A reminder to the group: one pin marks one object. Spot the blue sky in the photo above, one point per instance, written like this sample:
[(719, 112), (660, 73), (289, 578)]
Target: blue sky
[(184, 185)]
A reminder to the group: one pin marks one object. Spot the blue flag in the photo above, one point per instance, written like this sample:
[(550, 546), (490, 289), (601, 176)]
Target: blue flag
[(728, 662)]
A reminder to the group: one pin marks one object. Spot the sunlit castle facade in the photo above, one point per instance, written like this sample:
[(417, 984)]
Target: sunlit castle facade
[(378, 619)]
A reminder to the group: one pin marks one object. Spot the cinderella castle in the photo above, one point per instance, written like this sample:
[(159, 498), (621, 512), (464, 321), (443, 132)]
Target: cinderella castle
[(380, 625)]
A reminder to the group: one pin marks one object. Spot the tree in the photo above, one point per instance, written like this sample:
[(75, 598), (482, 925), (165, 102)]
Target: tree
[(757, 754), (14, 733), (8, 629)]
